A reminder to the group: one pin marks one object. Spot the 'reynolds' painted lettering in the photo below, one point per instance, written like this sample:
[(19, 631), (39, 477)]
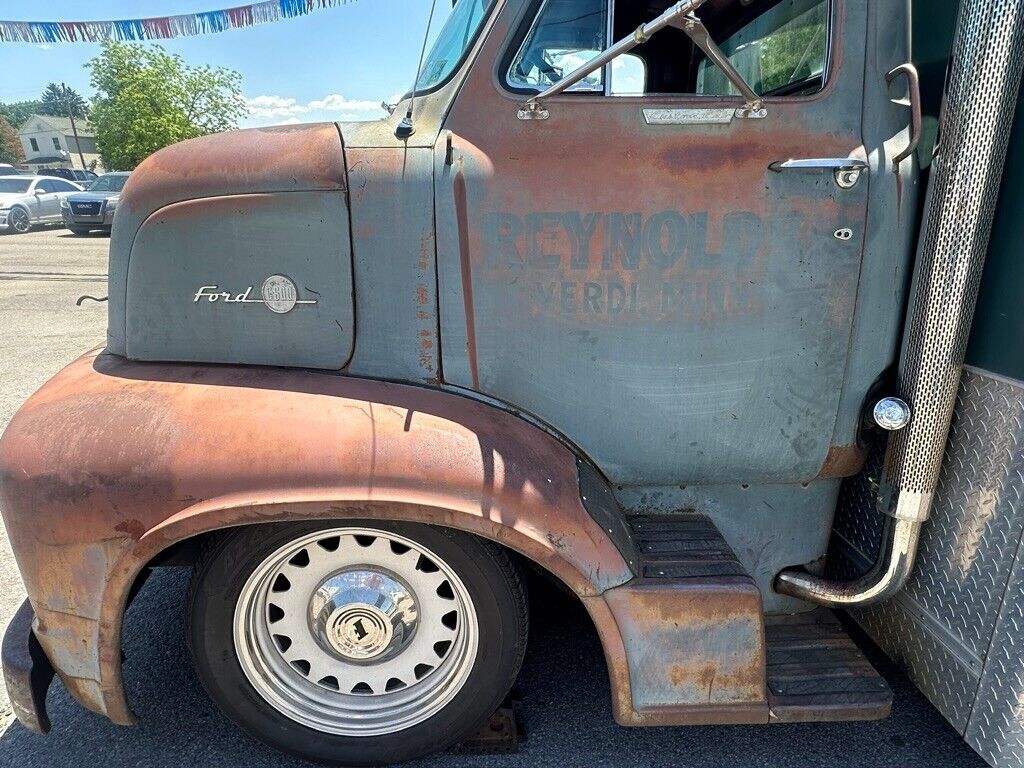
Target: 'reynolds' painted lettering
[(610, 242)]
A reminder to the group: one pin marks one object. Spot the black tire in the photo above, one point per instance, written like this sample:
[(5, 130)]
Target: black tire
[(18, 220), (79, 230), (490, 576)]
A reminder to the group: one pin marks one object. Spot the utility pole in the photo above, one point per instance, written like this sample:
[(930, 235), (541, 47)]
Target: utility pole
[(74, 130)]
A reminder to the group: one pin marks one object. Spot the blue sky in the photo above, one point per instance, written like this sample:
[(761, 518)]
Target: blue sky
[(336, 64)]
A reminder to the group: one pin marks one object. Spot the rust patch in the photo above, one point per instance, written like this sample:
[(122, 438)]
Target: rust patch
[(842, 461), (112, 461)]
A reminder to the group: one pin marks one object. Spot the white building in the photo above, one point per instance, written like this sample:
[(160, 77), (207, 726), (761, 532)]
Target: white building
[(49, 142)]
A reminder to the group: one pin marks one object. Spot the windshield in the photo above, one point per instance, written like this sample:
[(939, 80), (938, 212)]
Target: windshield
[(8, 186), (107, 184), (452, 42)]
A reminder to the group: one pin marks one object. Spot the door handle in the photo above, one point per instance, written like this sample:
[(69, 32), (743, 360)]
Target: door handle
[(845, 170), (908, 71)]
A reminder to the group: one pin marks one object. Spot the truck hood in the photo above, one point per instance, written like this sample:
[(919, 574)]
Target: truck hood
[(246, 166)]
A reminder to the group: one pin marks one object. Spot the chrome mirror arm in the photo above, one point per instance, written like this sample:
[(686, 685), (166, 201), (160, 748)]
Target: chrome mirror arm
[(681, 15), (698, 33)]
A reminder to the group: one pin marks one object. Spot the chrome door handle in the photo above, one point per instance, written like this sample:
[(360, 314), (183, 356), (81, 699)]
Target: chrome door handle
[(845, 170), (908, 71)]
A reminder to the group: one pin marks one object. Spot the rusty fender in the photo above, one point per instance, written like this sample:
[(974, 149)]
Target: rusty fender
[(111, 462)]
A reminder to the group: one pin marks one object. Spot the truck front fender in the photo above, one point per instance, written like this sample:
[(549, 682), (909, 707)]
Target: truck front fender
[(113, 461)]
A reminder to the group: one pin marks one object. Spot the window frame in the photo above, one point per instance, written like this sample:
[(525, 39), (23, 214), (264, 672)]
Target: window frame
[(830, 40), (56, 143), (33, 143), (524, 23), (506, 61)]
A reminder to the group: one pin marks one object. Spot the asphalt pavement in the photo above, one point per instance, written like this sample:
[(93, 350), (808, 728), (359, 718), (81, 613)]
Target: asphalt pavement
[(563, 686)]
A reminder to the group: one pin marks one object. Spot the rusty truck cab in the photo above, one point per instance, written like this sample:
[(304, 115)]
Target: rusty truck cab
[(628, 319)]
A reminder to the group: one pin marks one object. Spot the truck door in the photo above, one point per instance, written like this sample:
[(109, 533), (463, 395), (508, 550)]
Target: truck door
[(631, 269)]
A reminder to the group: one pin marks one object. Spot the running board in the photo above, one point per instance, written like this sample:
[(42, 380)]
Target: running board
[(817, 674), (697, 649)]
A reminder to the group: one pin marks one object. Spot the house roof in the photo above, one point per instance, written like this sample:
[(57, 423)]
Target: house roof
[(47, 159), (62, 124)]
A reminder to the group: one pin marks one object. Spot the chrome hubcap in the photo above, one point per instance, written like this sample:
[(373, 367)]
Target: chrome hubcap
[(356, 632), (362, 615), (19, 220)]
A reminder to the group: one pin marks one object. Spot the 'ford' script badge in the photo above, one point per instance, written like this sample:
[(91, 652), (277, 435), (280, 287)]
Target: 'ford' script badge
[(278, 294)]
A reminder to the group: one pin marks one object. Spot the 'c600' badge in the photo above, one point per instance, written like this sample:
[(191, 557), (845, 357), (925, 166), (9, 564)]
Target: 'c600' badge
[(279, 294)]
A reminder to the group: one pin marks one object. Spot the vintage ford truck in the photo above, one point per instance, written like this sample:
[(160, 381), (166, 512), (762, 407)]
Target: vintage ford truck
[(669, 301)]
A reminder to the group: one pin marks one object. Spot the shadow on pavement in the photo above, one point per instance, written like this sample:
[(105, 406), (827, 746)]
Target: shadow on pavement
[(563, 686)]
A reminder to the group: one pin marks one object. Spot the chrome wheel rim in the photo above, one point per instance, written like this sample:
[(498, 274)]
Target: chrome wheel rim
[(19, 221), (356, 631)]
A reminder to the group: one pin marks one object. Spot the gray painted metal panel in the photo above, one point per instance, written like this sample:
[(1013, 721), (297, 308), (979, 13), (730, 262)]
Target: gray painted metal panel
[(187, 255), (769, 527), (891, 217), (394, 263), (957, 626)]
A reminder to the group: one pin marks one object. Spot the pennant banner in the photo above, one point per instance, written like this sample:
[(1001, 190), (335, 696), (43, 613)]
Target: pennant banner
[(161, 27)]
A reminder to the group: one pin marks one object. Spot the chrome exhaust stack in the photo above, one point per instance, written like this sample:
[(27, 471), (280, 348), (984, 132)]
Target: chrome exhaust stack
[(974, 131)]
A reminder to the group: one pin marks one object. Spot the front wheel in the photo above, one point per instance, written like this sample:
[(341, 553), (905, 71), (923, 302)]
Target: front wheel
[(357, 643), (19, 221)]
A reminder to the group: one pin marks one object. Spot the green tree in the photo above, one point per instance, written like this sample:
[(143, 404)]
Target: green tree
[(57, 99), (17, 112), (147, 99), (10, 145)]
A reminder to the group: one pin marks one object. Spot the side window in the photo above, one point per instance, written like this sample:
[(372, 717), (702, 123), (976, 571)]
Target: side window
[(564, 35), (62, 186), (780, 48), (782, 52), (45, 186)]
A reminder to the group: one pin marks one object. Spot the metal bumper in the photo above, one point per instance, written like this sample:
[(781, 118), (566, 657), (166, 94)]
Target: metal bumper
[(27, 671), (104, 221)]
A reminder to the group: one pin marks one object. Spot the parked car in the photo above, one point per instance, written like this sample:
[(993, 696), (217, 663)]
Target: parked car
[(27, 201), (94, 208), (70, 174)]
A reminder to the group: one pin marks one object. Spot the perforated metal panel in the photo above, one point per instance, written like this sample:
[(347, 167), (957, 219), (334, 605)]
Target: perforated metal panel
[(988, 54)]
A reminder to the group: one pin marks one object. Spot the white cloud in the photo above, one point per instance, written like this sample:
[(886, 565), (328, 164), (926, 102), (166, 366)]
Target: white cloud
[(285, 109)]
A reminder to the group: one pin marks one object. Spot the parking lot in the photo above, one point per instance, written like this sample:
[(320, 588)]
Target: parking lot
[(563, 685)]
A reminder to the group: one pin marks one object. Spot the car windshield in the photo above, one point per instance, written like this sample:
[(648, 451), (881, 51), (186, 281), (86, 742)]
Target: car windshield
[(9, 186), (107, 184), (452, 42)]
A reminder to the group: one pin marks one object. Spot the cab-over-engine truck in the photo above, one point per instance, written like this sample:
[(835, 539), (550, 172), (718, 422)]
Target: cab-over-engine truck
[(647, 296)]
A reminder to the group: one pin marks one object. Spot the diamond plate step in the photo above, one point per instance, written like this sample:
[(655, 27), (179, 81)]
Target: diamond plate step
[(817, 674)]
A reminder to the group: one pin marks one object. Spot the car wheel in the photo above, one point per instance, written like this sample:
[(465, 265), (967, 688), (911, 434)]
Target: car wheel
[(18, 220), (358, 643), (79, 230)]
